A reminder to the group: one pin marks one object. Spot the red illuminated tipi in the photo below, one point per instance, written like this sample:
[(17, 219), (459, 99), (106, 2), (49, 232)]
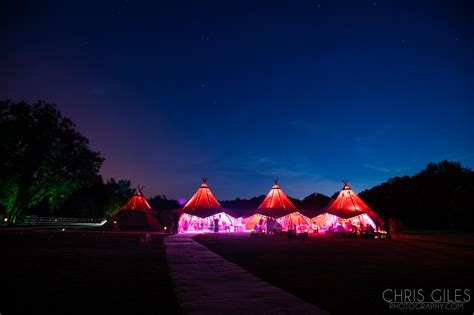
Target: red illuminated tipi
[(278, 206), (136, 214), (203, 211), (346, 209), (137, 202)]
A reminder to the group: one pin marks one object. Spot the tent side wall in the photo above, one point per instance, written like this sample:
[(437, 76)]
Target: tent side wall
[(287, 222), (295, 221), (326, 221), (192, 223)]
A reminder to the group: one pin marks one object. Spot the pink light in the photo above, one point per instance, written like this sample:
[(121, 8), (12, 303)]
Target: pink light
[(181, 201)]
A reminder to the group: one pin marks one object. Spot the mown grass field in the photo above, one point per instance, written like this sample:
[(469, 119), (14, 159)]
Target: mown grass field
[(84, 273), (72, 272), (348, 276)]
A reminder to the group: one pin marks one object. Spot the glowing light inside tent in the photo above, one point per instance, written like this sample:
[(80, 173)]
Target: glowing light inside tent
[(347, 213), (277, 213), (293, 221), (327, 222), (203, 213), (225, 223)]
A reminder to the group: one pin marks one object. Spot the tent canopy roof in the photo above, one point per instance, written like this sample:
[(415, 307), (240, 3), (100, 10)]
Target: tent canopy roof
[(203, 200), (136, 214), (348, 205), (276, 203), (137, 202)]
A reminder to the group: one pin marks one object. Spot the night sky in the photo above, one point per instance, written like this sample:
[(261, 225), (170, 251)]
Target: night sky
[(310, 92)]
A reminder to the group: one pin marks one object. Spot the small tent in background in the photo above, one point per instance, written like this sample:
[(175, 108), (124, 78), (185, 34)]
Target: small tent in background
[(278, 206), (135, 215), (347, 209), (203, 211)]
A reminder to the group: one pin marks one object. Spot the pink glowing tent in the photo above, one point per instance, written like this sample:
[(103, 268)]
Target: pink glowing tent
[(277, 205), (347, 208), (135, 214), (203, 211)]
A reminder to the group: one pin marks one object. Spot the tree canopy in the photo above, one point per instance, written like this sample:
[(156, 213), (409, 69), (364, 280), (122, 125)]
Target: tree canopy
[(44, 158), (98, 200), (440, 196)]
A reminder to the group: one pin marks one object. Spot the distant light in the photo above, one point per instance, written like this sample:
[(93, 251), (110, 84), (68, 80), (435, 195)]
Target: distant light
[(115, 222), (166, 228), (63, 229), (181, 201), (5, 220)]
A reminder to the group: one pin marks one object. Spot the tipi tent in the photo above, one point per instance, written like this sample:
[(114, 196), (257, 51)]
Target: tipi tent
[(278, 206), (136, 214), (202, 212), (345, 211)]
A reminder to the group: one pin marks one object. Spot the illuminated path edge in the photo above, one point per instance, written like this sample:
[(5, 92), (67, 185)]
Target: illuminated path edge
[(206, 283)]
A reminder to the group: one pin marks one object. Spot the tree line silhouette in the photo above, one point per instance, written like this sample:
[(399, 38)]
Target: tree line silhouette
[(439, 196), (47, 168)]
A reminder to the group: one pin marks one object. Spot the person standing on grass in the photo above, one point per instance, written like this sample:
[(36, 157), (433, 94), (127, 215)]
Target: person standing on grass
[(175, 223), (370, 230), (216, 225)]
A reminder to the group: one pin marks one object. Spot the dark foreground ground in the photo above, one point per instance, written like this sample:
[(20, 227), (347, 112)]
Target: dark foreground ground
[(54, 272), (84, 273), (348, 276)]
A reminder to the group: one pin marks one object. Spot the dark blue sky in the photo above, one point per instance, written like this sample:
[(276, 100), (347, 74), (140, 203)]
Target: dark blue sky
[(310, 92)]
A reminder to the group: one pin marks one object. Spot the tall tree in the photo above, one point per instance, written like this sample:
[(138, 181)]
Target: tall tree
[(118, 193), (97, 200), (43, 157)]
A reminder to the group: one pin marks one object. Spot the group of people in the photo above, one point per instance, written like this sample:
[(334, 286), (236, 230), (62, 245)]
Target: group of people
[(269, 226), (350, 228), (212, 224), (217, 224)]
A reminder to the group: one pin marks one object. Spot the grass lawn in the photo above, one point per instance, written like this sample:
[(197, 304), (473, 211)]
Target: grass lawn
[(84, 273), (348, 276)]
